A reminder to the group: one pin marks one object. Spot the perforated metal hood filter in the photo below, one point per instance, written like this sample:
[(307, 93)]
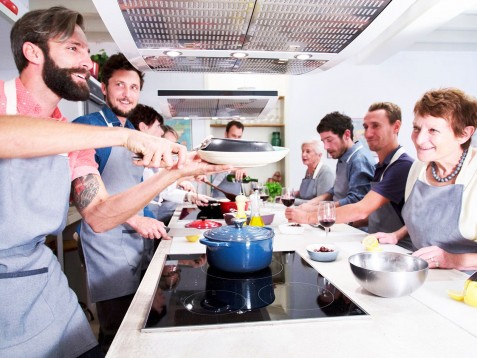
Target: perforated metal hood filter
[(219, 104), (271, 32)]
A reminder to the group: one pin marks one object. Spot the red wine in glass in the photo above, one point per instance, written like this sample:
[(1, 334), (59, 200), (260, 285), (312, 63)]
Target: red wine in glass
[(264, 197), (288, 202), (327, 223)]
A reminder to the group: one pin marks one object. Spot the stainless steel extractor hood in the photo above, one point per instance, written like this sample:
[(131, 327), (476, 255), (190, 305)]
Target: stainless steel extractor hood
[(216, 104), (272, 36)]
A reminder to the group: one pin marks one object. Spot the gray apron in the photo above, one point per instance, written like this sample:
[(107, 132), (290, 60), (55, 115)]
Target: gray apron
[(308, 185), (432, 217), (385, 219), (39, 314), (341, 186), (114, 258)]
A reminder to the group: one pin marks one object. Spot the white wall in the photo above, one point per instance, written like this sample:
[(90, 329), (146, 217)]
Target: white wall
[(349, 88)]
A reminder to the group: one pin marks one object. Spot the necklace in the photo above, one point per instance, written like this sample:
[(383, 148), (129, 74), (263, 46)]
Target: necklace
[(451, 175)]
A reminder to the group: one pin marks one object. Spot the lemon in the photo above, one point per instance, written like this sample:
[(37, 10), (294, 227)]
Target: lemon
[(456, 295), (192, 238), (471, 293), (371, 243)]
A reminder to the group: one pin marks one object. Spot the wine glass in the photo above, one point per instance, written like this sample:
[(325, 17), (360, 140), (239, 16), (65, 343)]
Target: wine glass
[(288, 197), (327, 215), (255, 185), (264, 194)]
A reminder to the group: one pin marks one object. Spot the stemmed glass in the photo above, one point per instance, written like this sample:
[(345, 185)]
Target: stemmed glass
[(326, 215), (264, 193), (288, 197)]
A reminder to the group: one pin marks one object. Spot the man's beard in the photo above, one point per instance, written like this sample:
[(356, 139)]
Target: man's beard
[(61, 82), (118, 112)]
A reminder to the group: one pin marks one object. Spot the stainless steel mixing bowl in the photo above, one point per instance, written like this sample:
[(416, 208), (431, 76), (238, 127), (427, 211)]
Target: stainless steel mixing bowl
[(388, 274)]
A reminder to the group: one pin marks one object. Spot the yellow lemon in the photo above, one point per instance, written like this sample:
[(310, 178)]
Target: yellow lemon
[(471, 294), (192, 238), (456, 295), (371, 243)]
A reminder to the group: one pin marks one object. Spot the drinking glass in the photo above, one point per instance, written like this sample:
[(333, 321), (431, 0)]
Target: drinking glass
[(326, 215), (264, 194), (288, 197), (255, 185)]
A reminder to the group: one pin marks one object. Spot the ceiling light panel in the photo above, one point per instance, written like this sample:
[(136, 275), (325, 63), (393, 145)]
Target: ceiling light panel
[(221, 64), (326, 26), (218, 24), (310, 26)]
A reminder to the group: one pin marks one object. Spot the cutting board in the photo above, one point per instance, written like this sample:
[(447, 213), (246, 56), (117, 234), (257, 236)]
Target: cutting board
[(433, 294)]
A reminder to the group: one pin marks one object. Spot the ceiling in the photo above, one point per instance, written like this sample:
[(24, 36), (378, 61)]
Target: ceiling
[(428, 25)]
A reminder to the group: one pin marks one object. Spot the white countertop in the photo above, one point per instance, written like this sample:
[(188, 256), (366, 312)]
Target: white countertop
[(426, 323)]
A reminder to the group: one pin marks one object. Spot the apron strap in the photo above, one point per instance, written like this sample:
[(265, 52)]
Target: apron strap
[(105, 120), (357, 149), (395, 157)]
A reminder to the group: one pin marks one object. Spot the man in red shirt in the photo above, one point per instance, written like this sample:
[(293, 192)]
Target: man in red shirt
[(39, 313)]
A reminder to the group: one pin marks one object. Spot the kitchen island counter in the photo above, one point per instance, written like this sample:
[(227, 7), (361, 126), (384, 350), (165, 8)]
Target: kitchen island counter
[(426, 322)]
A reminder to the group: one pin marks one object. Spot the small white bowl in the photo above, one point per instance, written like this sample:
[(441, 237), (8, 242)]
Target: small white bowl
[(291, 230), (322, 256)]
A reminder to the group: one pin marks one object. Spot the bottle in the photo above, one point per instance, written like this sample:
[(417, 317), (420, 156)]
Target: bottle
[(255, 218), (276, 140)]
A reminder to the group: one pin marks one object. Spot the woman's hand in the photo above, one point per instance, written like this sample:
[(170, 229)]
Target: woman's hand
[(439, 258)]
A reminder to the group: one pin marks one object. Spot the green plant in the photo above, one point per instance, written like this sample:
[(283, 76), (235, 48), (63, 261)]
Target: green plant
[(100, 58), (274, 189)]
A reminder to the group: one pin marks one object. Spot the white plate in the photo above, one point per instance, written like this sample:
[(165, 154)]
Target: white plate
[(291, 230), (244, 159)]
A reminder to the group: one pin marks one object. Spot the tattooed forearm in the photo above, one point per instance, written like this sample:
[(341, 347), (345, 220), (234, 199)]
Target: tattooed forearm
[(84, 190)]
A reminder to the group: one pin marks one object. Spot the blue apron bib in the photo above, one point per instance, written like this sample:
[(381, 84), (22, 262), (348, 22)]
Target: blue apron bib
[(308, 185), (114, 258), (39, 314)]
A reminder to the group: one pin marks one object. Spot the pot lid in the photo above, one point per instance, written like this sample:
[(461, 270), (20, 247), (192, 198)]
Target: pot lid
[(237, 233), (203, 224)]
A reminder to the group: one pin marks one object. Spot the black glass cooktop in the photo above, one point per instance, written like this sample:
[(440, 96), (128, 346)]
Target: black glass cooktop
[(190, 294)]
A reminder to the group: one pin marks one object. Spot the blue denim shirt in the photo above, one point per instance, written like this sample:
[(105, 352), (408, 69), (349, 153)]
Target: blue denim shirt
[(359, 173)]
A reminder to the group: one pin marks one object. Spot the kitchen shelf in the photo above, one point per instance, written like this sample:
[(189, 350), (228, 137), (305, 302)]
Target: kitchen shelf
[(251, 125)]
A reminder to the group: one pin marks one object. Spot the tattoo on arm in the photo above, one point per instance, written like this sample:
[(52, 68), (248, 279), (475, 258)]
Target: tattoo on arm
[(85, 190)]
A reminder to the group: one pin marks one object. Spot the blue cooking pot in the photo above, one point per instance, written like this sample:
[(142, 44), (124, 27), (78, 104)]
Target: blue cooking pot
[(239, 249)]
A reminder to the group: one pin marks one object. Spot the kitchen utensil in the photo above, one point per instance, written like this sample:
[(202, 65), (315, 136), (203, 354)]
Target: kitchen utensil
[(234, 145), (203, 223), (244, 159), (388, 274), (469, 294), (239, 249), (228, 195), (322, 252), (181, 232)]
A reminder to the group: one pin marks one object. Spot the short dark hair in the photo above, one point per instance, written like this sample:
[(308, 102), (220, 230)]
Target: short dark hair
[(118, 62), (40, 26), (234, 123), (392, 110), (144, 114), (454, 105), (337, 123)]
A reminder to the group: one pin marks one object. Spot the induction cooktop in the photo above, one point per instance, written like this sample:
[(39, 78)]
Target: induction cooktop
[(192, 294)]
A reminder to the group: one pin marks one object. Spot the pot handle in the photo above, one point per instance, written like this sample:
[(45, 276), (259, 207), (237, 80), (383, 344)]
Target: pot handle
[(204, 241)]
